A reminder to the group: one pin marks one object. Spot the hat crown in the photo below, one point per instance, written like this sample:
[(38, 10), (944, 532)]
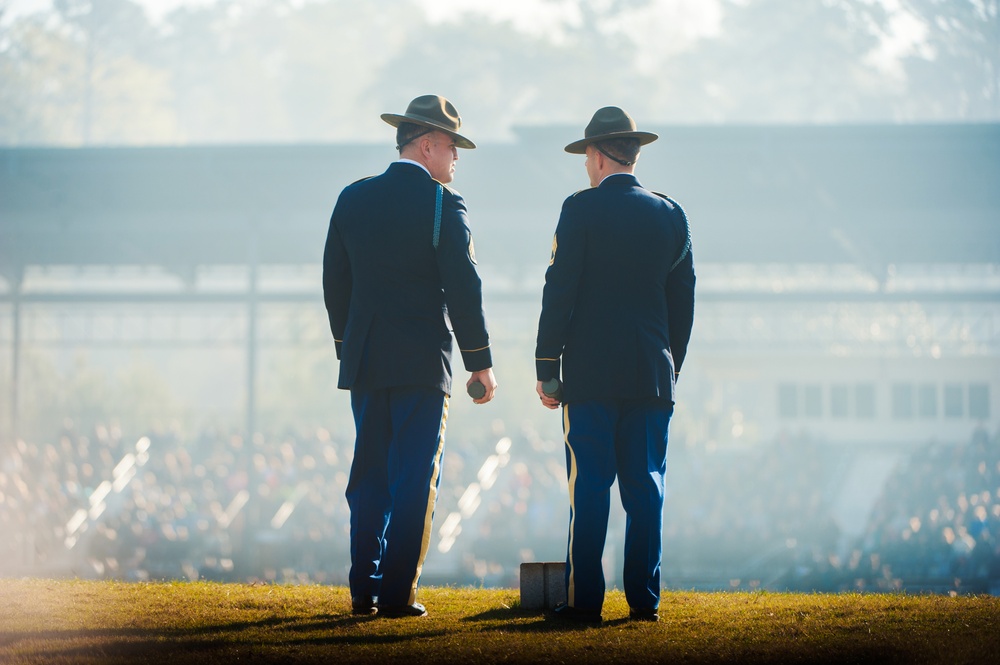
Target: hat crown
[(435, 109), (609, 120), (432, 111)]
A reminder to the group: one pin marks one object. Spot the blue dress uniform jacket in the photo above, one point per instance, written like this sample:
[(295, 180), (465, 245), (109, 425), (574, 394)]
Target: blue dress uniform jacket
[(617, 311), (614, 314), (391, 281), (389, 293)]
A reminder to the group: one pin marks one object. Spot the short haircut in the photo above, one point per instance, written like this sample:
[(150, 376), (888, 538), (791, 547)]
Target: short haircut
[(408, 131), (621, 150)]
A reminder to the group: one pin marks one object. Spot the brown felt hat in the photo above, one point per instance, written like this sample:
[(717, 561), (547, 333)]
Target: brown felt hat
[(435, 112), (609, 122)]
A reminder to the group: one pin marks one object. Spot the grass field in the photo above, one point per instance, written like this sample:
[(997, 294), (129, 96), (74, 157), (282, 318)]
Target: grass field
[(45, 621)]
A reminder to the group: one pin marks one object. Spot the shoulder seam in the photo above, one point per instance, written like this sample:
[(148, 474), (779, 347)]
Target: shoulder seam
[(687, 229)]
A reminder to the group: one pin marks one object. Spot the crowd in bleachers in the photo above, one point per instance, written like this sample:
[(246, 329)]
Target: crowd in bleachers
[(765, 518), (740, 516), (215, 506), (43, 485), (936, 525)]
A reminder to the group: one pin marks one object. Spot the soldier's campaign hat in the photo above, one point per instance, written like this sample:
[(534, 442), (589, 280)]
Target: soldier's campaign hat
[(609, 122), (435, 112)]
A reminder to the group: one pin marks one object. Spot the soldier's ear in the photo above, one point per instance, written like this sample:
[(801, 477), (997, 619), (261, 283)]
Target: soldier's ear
[(420, 143), (426, 141), (597, 156)]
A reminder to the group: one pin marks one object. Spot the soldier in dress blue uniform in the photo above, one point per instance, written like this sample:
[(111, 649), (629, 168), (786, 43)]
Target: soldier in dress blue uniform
[(617, 311), (398, 268)]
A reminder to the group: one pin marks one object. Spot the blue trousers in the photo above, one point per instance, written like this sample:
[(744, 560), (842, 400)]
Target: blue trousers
[(393, 488), (605, 439)]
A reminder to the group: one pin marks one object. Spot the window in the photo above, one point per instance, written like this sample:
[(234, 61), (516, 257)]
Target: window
[(813, 398), (953, 398), (788, 400), (902, 400), (979, 400), (864, 400), (927, 401), (838, 401)]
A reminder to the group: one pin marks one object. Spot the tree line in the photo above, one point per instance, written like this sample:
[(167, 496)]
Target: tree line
[(96, 72)]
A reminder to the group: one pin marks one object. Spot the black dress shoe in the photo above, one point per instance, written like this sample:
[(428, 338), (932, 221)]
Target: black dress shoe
[(577, 614), (399, 611), (643, 614), (364, 605)]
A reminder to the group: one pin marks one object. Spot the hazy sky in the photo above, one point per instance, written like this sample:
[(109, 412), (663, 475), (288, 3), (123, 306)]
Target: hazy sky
[(692, 19), (689, 61), (155, 8), (533, 16), (521, 10)]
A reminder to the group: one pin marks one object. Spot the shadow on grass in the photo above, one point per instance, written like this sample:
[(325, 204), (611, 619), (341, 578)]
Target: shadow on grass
[(503, 614), (294, 624), (286, 651), (109, 644), (367, 639), (337, 623), (148, 649), (512, 619), (11, 639)]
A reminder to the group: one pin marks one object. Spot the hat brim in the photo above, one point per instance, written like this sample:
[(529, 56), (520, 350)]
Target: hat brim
[(580, 147), (395, 120)]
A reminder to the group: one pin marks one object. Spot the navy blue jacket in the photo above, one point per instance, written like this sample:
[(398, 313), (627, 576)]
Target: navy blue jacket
[(389, 293), (613, 312)]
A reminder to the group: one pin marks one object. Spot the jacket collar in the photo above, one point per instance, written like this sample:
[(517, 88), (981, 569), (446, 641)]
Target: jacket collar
[(410, 167), (620, 180)]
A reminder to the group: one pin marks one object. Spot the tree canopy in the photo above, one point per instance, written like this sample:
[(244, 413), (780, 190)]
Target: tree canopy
[(104, 72)]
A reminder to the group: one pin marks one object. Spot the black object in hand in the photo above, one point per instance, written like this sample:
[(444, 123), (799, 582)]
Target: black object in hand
[(477, 390), (552, 388)]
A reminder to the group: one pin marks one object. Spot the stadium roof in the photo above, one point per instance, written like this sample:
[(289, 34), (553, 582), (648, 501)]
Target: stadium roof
[(866, 195)]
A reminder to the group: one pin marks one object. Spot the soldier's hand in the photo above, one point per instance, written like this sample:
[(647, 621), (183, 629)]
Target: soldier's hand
[(488, 381), (548, 402)]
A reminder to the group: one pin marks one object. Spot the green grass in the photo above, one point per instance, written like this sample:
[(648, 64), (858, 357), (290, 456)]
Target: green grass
[(45, 621)]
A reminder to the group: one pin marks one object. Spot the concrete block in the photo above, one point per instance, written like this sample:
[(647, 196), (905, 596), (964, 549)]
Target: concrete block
[(533, 585), (555, 583), (543, 584)]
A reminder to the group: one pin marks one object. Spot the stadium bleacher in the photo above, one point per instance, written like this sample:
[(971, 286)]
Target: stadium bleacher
[(214, 507)]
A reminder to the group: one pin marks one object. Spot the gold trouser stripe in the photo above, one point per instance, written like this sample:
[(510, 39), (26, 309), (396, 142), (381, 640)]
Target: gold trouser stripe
[(425, 542), (571, 587)]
